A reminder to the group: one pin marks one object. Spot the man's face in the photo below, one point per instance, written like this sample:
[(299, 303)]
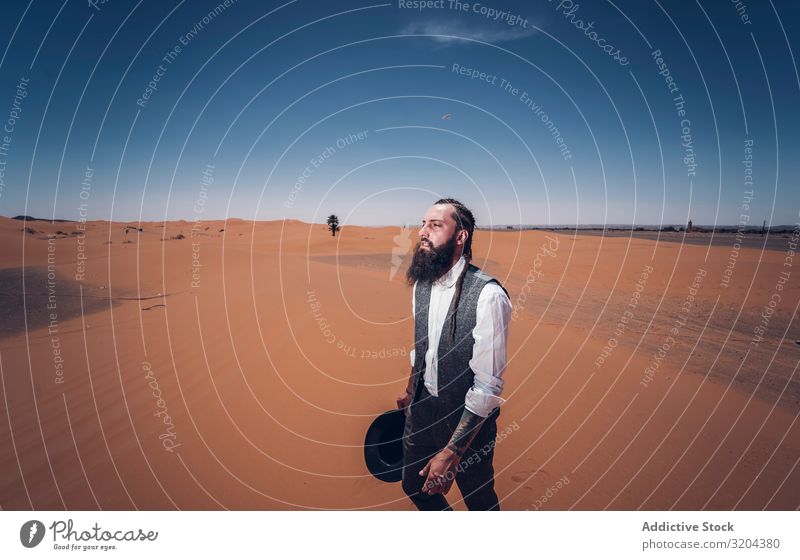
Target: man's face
[(438, 245), (438, 227)]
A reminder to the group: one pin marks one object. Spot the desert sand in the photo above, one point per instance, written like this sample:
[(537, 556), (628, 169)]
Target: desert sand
[(239, 367)]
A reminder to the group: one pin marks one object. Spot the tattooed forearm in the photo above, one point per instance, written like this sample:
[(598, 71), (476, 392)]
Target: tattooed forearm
[(465, 432)]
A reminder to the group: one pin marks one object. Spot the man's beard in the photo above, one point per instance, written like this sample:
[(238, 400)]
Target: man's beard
[(429, 265)]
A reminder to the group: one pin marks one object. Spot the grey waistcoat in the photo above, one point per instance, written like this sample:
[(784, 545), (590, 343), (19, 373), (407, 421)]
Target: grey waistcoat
[(455, 377)]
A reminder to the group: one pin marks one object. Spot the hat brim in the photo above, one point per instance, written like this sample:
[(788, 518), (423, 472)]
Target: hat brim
[(383, 446)]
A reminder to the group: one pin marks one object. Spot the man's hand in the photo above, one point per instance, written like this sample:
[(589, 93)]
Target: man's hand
[(404, 401), (440, 472), (441, 469)]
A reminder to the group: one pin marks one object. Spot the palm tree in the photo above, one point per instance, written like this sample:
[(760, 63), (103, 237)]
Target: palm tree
[(333, 224)]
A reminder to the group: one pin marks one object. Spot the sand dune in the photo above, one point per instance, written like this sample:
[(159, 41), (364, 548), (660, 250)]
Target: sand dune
[(239, 367)]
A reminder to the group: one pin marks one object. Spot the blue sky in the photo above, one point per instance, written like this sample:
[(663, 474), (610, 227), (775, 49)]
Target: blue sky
[(360, 109)]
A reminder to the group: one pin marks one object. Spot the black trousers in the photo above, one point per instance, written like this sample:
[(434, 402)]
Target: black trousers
[(427, 431)]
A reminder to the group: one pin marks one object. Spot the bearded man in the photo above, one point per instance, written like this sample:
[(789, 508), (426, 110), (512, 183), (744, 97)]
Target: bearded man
[(461, 317)]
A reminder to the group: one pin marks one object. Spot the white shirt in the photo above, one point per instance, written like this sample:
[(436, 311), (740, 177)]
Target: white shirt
[(490, 333)]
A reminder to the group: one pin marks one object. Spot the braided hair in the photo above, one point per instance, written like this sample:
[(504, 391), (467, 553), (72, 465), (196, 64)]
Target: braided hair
[(466, 221)]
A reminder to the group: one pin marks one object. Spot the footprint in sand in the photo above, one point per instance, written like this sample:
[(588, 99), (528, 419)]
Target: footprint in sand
[(522, 476)]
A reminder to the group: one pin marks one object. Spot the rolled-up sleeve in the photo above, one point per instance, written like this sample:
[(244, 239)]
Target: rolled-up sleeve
[(489, 352)]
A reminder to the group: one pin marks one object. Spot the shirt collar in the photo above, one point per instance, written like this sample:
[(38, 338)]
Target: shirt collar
[(450, 277)]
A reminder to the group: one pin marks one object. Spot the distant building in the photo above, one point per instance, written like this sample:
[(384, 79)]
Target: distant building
[(689, 227)]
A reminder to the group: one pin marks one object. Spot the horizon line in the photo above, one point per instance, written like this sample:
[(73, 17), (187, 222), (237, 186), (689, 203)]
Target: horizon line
[(21, 217)]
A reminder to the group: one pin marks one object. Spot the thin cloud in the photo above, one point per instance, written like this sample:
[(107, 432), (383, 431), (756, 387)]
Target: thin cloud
[(452, 32)]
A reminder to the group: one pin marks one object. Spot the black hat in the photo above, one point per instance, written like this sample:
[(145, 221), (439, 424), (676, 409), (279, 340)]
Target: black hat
[(383, 446)]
